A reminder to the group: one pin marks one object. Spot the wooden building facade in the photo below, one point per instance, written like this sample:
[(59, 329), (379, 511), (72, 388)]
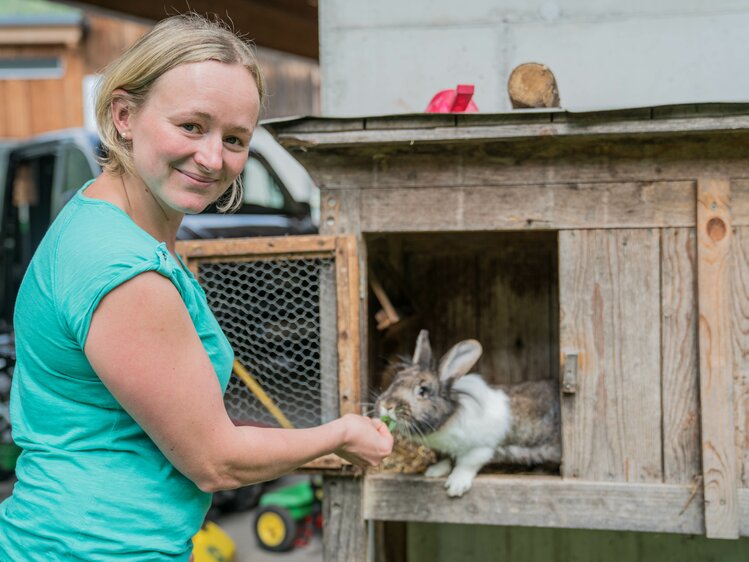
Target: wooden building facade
[(609, 251), (45, 58)]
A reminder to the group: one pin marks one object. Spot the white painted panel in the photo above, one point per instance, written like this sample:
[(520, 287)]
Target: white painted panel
[(392, 56), (398, 71), (428, 13), (638, 63)]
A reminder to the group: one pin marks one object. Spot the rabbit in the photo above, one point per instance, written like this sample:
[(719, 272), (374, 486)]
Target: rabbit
[(461, 416)]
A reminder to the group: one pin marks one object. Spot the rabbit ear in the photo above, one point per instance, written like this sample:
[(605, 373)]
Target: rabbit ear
[(423, 351), (459, 360)]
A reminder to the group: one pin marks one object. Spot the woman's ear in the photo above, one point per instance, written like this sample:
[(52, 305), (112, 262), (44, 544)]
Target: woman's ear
[(122, 113)]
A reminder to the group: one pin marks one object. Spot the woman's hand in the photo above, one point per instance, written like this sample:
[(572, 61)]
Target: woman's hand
[(366, 441)]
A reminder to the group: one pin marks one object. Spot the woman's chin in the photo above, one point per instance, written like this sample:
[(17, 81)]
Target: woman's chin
[(192, 207)]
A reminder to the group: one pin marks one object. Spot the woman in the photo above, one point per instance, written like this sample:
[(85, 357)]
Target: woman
[(121, 367)]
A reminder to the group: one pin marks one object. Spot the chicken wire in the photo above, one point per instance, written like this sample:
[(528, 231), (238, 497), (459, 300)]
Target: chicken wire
[(271, 312)]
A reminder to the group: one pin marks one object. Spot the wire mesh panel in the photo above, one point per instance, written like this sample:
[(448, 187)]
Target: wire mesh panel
[(290, 308), (270, 311)]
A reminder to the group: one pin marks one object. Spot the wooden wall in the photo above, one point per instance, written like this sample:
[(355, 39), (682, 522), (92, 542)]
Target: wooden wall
[(478, 543), (500, 288), (30, 107)]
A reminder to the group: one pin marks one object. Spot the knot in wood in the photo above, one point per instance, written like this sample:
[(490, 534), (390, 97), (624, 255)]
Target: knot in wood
[(716, 229)]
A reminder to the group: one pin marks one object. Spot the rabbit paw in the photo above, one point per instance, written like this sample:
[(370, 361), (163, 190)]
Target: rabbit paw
[(438, 470), (458, 483)]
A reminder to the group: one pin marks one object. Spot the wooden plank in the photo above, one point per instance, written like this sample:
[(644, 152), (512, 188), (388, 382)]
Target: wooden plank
[(542, 161), (18, 111), (680, 375), (446, 300), (573, 125), (535, 501), (714, 235), (434, 542), (744, 511), (259, 246), (328, 308), (514, 287), (4, 103), (409, 121), (539, 207), (48, 112), (340, 212), (345, 537), (390, 541), (609, 300), (347, 300), (740, 332), (72, 88)]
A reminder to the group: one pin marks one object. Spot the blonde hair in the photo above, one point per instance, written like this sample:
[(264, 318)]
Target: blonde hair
[(181, 39)]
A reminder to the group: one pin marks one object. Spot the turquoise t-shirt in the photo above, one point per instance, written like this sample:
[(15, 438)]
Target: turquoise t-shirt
[(91, 484)]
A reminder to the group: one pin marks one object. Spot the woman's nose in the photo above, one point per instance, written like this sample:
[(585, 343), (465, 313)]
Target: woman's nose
[(210, 154)]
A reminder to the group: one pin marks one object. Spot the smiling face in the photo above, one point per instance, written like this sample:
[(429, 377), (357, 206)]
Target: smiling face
[(190, 139)]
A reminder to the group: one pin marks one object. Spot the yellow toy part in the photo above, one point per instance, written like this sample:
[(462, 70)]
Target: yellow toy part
[(212, 544)]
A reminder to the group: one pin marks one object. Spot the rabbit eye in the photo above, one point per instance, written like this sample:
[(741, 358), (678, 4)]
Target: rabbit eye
[(422, 391)]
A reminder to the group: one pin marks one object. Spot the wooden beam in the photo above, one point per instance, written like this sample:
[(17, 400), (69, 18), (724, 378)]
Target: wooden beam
[(345, 537), (285, 25), (537, 501), (511, 130), (68, 35), (347, 300), (256, 247), (537, 207), (714, 236)]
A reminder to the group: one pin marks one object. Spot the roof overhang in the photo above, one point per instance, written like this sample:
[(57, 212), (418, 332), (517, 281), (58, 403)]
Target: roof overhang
[(285, 25), (64, 29)]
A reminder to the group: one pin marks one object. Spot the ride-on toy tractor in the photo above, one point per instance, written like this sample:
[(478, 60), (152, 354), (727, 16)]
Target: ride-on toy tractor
[(287, 517)]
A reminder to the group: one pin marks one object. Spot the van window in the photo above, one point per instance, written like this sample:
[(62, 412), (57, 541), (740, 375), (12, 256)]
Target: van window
[(76, 172), (260, 186)]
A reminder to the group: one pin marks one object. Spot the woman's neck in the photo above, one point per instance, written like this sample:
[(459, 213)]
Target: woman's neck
[(135, 198)]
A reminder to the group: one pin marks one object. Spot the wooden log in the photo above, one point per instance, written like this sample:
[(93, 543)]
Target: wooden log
[(714, 236), (532, 85)]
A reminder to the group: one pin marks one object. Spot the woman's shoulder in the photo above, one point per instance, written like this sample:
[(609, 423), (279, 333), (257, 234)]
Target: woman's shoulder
[(93, 229)]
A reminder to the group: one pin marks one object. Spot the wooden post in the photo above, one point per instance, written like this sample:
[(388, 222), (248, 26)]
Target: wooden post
[(347, 300), (345, 537), (714, 235)]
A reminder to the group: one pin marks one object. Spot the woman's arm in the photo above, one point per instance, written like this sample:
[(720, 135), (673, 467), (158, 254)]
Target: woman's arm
[(144, 347)]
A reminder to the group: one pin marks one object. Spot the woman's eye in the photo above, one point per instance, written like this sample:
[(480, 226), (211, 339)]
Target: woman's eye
[(234, 141), (190, 127)]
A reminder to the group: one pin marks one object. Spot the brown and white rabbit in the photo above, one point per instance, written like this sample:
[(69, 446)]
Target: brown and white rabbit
[(460, 415)]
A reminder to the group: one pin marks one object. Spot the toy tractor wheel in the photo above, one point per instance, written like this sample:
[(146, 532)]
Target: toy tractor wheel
[(275, 529)]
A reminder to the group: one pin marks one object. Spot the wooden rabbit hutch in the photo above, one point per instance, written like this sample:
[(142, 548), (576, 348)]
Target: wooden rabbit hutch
[(609, 251)]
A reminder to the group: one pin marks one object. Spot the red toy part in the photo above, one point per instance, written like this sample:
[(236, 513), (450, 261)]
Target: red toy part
[(453, 101)]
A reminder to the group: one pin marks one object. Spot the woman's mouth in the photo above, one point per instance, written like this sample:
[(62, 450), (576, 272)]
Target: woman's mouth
[(198, 178)]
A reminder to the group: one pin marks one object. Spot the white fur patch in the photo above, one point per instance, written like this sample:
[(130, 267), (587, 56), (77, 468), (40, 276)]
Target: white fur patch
[(482, 419)]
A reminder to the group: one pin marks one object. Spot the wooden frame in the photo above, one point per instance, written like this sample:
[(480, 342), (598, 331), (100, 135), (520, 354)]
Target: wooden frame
[(714, 236), (346, 315), (651, 211), (535, 501)]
